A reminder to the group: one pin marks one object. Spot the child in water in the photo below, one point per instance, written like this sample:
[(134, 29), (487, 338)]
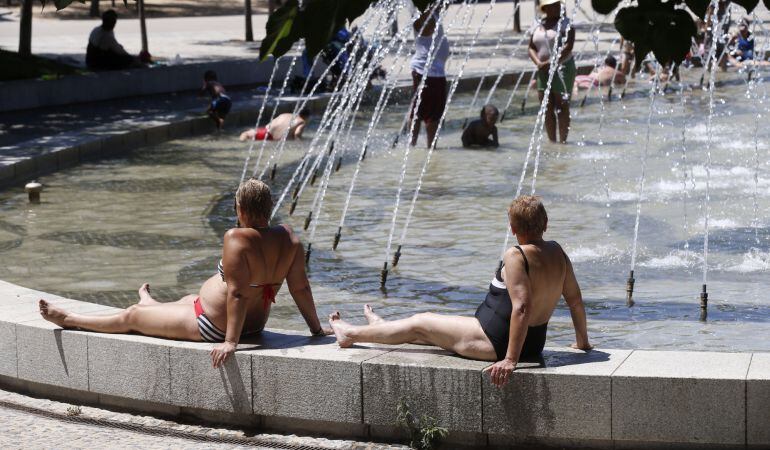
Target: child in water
[(477, 133), (220, 102)]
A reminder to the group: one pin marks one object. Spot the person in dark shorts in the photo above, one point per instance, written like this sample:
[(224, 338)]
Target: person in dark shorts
[(103, 51), (512, 321), (432, 100), (220, 102), (477, 133)]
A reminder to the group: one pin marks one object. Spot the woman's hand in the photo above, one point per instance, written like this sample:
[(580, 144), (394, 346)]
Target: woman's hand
[(500, 371), (543, 66), (221, 352)]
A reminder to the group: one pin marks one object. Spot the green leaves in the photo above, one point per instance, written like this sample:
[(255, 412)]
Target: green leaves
[(657, 27), (316, 22), (604, 6)]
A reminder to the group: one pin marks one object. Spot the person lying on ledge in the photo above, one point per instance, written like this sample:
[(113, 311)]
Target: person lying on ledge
[(478, 132), (511, 322), (235, 301)]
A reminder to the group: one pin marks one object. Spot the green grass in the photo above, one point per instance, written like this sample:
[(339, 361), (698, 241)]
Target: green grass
[(16, 67)]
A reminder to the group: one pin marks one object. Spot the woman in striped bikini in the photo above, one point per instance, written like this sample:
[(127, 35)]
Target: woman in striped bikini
[(256, 259)]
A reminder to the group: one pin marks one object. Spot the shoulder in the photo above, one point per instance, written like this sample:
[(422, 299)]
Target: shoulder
[(238, 237)]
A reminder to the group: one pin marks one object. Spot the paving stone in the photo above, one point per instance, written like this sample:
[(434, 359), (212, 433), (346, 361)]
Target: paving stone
[(758, 401), (51, 355), (196, 384), (681, 397), (310, 379), (130, 366), (446, 388), (569, 398), (8, 365)]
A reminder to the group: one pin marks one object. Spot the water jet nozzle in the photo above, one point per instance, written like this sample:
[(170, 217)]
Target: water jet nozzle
[(363, 155), (395, 142), (293, 206), (308, 219), (339, 164), (33, 190), (523, 104), (609, 94), (704, 303), (337, 237), (502, 117), (315, 175), (583, 102), (630, 289), (396, 256), (308, 252), (331, 147), (384, 274), (272, 173)]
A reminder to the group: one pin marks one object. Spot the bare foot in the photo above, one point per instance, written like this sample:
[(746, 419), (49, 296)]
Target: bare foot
[(52, 313), (371, 317), (144, 295), (340, 328)]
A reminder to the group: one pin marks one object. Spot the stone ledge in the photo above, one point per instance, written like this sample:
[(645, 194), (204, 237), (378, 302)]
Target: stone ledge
[(292, 382)]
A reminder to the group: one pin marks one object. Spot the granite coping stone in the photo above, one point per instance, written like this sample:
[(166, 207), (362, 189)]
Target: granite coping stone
[(758, 401), (681, 397), (431, 381), (569, 397), (8, 357)]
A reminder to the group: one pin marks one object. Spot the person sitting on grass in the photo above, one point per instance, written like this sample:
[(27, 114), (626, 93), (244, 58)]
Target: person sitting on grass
[(234, 302), (220, 101), (285, 124), (103, 51), (477, 133), (512, 320)]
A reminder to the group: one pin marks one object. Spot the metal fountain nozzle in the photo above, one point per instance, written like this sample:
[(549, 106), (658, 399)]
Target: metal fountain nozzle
[(272, 173), (384, 274), (293, 206), (337, 237), (308, 219), (704, 303), (33, 190), (630, 289), (339, 164), (396, 256), (308, 252)]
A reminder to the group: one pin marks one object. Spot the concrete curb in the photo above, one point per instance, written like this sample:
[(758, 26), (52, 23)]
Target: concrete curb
[(296, 383)]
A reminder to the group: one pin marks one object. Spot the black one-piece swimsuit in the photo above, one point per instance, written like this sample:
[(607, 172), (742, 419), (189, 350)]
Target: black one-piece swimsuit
[(494, 315)]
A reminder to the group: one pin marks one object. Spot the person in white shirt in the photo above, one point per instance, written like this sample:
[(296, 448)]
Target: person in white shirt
[(434, 91), (104, 52)]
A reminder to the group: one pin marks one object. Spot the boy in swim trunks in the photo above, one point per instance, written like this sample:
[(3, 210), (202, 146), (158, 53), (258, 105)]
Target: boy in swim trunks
[(280, 126), (477, 133), (220, 101)]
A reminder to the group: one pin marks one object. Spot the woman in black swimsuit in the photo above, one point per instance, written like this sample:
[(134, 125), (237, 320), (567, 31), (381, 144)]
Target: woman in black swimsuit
[(511, 322)]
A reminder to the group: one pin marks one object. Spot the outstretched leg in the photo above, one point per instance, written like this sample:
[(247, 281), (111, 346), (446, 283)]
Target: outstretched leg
[(166, 320), (462, 335), (371, 317), (146, 299)]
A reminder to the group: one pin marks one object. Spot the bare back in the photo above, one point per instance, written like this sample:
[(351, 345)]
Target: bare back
[(270, 258), (284, 125), (548, 270)]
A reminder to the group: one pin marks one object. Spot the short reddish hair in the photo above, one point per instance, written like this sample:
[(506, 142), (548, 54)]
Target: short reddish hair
[(527, 215)]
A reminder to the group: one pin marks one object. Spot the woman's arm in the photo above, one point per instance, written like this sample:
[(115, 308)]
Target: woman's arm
[(532, 51), (574, 299), (299, 288), (566, 52), (237, 275)]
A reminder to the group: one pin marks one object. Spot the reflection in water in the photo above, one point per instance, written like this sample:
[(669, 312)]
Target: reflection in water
[(158, 216)]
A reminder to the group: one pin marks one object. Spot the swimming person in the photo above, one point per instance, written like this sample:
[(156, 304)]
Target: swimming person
[(602, 76), (434, 91), (477, 133), (512, 320), (235, 301), (220, 101), (552, 27), (284, 124)]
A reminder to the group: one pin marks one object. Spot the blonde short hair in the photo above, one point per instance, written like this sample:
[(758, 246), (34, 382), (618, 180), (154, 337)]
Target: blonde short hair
[(255, 199), (527, 215)]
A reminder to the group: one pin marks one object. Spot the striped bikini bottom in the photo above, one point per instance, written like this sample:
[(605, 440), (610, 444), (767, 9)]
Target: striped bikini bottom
[(209, 332)]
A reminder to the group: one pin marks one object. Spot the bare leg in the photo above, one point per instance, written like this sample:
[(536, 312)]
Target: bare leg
[(431, 127), (416, 132), (146, 299), (462, 335), (371, 317), (550, 117), (172, 321), (563, 116)]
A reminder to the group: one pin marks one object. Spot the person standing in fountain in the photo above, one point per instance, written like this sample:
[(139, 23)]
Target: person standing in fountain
[(235, 301), (552, 27), (511, 322), (434, 92)]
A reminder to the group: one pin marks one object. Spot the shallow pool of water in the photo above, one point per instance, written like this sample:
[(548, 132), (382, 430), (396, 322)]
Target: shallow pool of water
[(158, 216)]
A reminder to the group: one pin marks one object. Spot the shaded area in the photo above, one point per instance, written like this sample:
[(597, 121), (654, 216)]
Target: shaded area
[(16, 67)]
